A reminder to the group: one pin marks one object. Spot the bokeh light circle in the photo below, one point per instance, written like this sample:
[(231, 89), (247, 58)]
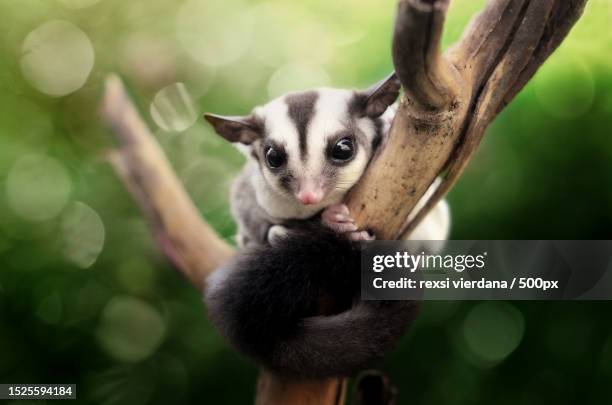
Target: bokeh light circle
[(295, 77), (172, 108), (136, 275), (272, 37), (492, 331), (205, 174), (283, 33), (565, 87), (57, 58), (130, 329), (148, 60), (215, 32), (37, 187), (83, 234)]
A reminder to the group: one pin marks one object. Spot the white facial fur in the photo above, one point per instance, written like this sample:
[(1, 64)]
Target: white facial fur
[(307, 149), (309, 167)]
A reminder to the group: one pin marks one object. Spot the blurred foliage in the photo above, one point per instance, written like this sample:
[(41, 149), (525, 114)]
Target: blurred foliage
[(85, 297)]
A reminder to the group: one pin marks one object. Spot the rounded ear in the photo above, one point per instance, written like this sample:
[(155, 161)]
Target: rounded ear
[(244, 129), (374, 101)]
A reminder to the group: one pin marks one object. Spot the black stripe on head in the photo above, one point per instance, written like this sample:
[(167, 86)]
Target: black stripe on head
[(301, 109)]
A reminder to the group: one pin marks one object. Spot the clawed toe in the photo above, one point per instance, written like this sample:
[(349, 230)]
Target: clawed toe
[(338, 218), (336, 214), (361, 236), (343, 227)]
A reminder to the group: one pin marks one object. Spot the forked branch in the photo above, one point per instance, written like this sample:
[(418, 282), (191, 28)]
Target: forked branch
[(424, 132), (499, 53), (426, 76), (449, 102)]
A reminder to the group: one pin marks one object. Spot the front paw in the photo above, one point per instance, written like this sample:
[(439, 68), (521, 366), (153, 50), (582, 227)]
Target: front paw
[(338, 218), (361, 236), (276, 233)]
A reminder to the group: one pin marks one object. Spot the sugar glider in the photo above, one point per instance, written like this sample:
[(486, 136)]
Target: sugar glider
[(305, 150)]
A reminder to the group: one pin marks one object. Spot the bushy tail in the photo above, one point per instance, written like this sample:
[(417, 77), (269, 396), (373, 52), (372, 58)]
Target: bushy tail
[(266, 299), (343, 344)]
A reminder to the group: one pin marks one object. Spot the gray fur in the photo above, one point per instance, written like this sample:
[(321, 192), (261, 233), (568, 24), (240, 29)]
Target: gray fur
[(253, 222), (259, 300), (301, 108)]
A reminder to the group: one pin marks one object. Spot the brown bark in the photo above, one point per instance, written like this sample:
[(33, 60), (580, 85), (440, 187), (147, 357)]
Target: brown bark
[(437, 129), (183, 236), (448, 103), (275, 390)]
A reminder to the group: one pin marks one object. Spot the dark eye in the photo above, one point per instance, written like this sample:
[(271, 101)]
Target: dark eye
[(275, 158), (343, 150)]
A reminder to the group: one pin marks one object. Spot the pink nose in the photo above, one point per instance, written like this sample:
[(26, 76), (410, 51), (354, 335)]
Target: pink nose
[(310, 197)]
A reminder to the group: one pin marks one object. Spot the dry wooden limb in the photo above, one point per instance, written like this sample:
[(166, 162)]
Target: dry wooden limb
[(448, 103), (437, 129), (416, 53), (276, 390), (426, 126), (188, 241), (192, 246)]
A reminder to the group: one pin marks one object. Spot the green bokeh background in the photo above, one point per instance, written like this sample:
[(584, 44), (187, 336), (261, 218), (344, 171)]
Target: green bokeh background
[(128, 330)]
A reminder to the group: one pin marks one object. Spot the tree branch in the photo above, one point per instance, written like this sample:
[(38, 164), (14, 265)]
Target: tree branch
[(181, 234), (425, 128), (449, 102), (189, 242), (564, 16), (535, 32), (276, 390), (416, 52), (485, 39)]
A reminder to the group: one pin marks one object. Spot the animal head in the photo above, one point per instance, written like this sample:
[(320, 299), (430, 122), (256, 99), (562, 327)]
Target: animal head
[(313, 146)]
